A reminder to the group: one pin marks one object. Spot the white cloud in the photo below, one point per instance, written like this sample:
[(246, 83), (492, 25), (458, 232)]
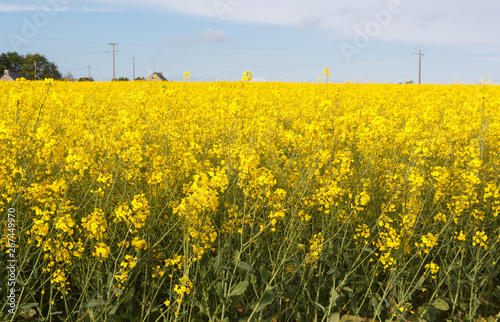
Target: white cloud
[(207, 36), (55, 6), (444, 22), (16, 7), (429, 22)]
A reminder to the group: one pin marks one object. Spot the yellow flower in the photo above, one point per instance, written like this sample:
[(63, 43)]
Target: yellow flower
[(480, 239), (315, 248), (433, 268), (428, 242), (460, 236), (247, 76), (326, 73), (101, 250)]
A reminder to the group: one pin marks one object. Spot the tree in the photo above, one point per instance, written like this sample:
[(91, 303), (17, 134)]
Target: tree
[(122, 79), (139, 78), (44, 68), (11, 61), (85, 79), (4, 62), (69, 77), (16, 62)]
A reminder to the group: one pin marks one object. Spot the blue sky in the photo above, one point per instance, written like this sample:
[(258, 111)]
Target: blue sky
[(363, 40)]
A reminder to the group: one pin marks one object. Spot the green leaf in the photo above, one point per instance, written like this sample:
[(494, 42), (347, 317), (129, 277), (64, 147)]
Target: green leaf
[(220, 291), (27, 312), (203, 271), (217, 263), (110, 280), (92, 303), (245, 266), (264, 274), (113, 309), (421, 280), (440, 304), (335, 317), (351, 318), (239, 288), (334, 295), (266, 299), (28, 305), (128, 296), (203, 306)]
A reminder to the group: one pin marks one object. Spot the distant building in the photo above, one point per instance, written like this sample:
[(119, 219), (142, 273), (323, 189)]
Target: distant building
[(10, 76), (157, 77)]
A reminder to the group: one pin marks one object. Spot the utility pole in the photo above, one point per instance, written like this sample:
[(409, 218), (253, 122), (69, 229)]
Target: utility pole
[(420, 66), (420, 62), (133, 68), (113, 44), (35, 69), (89, 73)]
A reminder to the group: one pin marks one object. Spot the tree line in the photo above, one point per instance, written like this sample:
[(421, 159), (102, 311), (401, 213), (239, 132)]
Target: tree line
[(16, 63), (27, 64)]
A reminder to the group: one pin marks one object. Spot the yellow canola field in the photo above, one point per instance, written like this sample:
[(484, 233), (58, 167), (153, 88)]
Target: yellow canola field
[(130, 185)]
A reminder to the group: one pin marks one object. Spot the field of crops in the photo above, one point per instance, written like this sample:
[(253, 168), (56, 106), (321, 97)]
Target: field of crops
[(228, 201)]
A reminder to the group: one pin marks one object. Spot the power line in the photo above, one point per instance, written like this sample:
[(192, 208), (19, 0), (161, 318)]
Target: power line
[(75, 54), (215, 47), (63, 39)]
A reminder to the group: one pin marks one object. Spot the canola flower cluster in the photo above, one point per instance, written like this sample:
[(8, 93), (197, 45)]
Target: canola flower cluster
[(150, 177)]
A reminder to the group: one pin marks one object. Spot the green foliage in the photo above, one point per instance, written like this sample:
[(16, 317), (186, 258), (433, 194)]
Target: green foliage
[(43, 67), (85, 79), (11, 61), (17, 63)]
